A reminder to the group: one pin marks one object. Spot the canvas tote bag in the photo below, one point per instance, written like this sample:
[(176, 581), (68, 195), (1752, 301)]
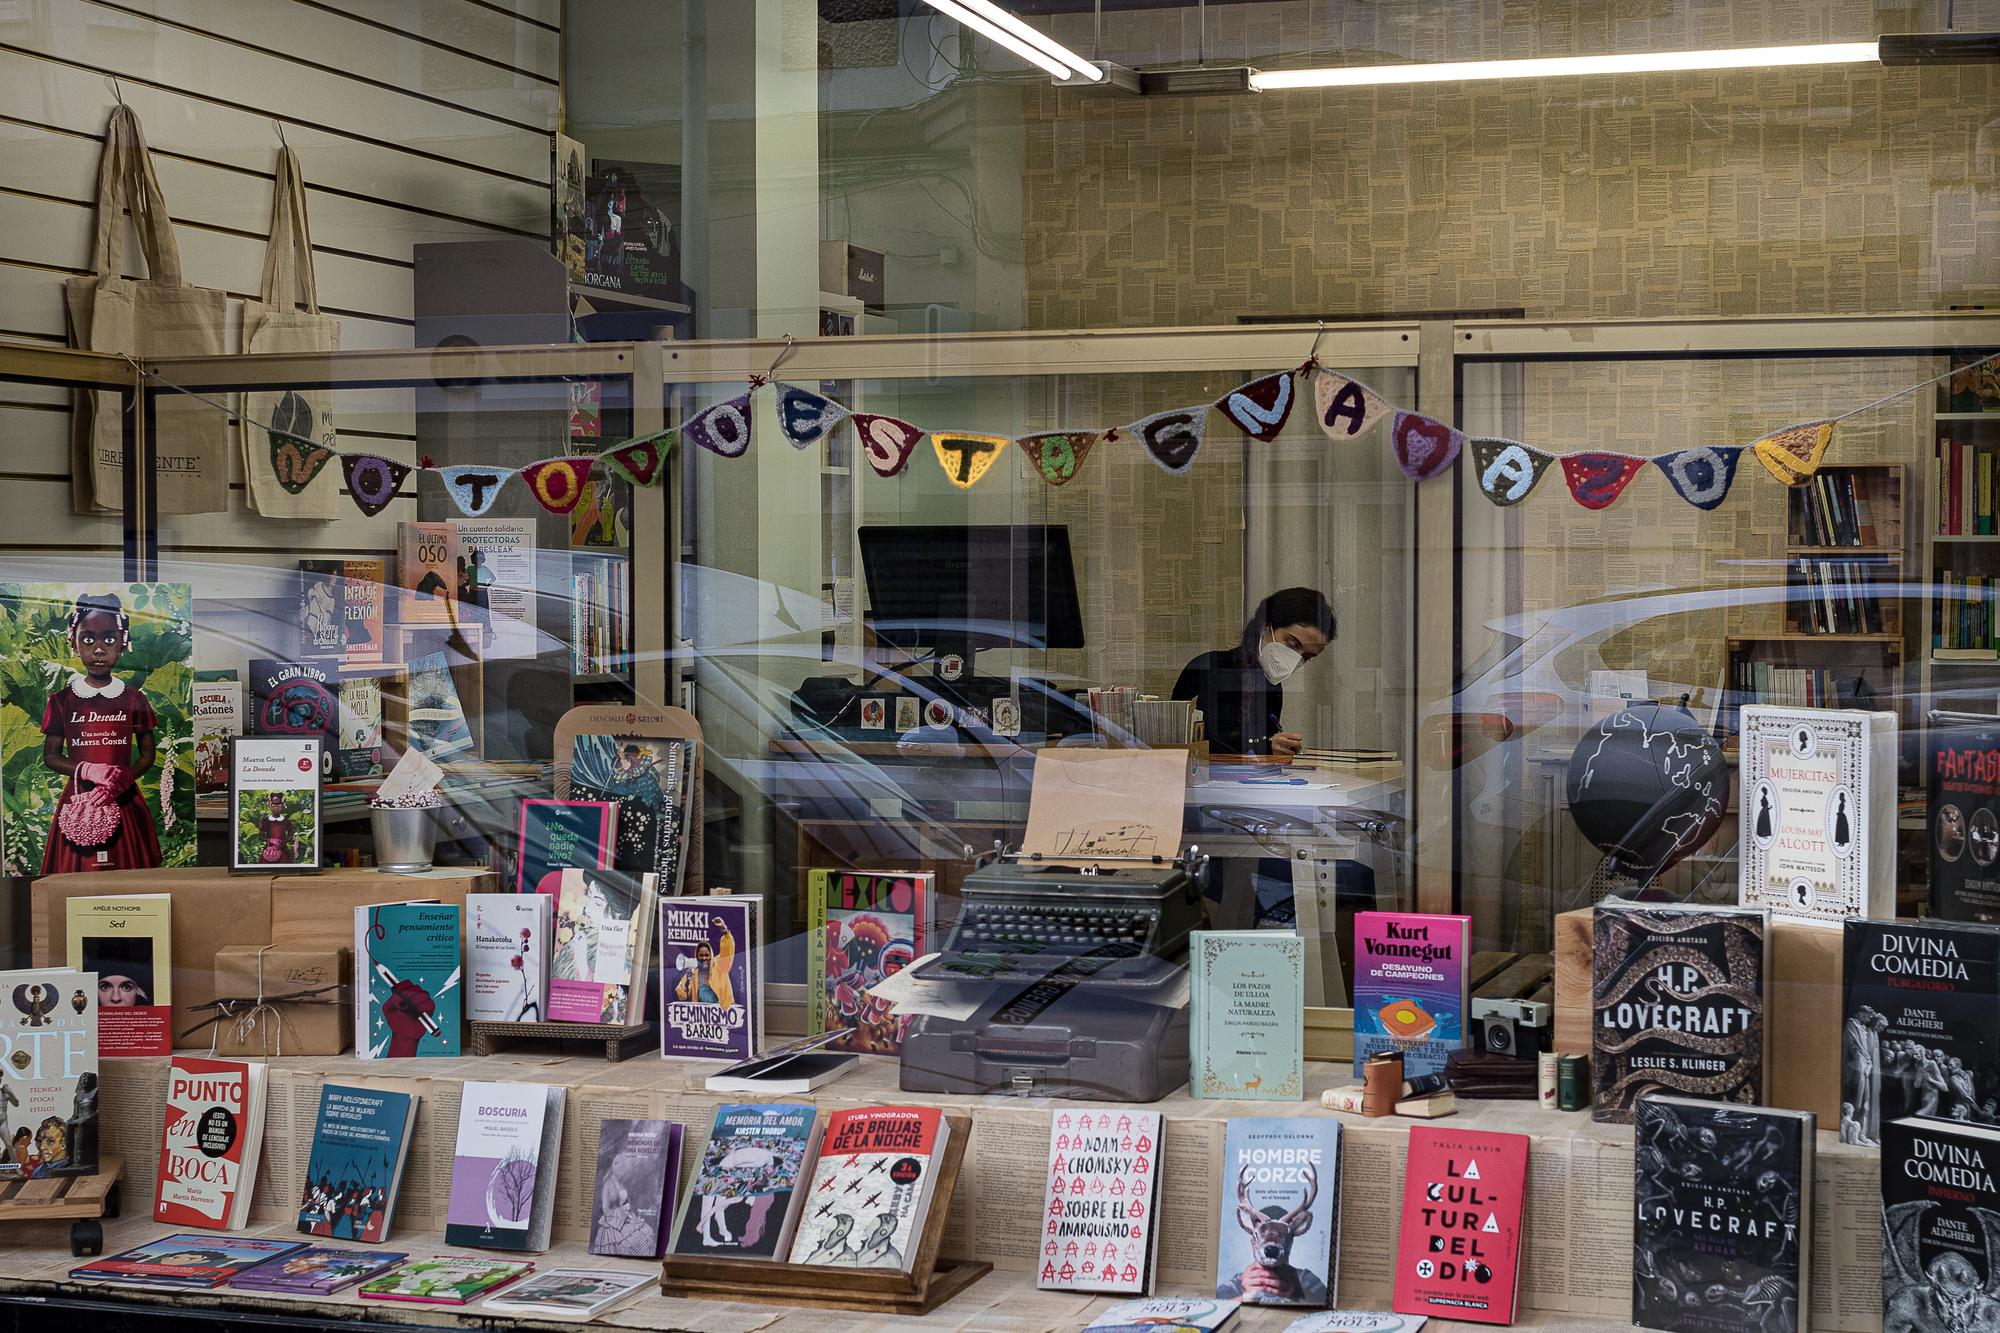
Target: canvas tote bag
[(286, 318), (155, 316)]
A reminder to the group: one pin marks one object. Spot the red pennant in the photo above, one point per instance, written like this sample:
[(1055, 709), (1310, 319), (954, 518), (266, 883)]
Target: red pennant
[(1260, 408), (1598, 479), (557, 483), (887, 441)]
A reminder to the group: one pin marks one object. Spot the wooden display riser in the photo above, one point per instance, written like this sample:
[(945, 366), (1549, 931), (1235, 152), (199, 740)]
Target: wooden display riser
[(1577, 1260)]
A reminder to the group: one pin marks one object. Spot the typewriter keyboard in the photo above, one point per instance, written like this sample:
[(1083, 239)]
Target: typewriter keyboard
[(1044, 929)]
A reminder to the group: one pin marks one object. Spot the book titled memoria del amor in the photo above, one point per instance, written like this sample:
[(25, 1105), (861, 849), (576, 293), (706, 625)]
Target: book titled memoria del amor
[(503, 1174), (1410, 978), (1920, 1024), (1101, 1226), (128, 942), (48, 1065), (355, 1169), (1280, 1225), (1940, 1225), (1459, 1253), (1677, 1004), (208, 1150), (1723, 1199), (1247, 988), (1962, 815), (507, 950), (711, 982), (873, 1187), (407, 994), (748, 1190), (1818, 813)]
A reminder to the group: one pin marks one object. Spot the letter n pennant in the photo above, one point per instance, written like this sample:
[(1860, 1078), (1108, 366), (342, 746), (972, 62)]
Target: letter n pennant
[(557, 483), (1260, 408), (297, 462), (887, 441), (1058, 454), (966, 458), (1704, 475), (1793, 454), (474, 489), (721, 428), (1598, 479), (805, 417), (1346, 407), (639, 461), (1171, 438), (1508, 470), (1424, 447), (372, 481)]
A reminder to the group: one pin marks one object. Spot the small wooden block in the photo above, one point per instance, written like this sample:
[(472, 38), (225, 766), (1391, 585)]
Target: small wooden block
[(620, 1041)]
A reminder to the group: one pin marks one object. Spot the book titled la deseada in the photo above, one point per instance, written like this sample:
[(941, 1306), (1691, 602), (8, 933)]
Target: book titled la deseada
[(1460, 1249)]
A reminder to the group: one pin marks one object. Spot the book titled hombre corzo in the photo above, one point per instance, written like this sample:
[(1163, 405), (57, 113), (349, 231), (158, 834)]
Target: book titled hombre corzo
[(1677, 1004), (1920, 1024), (1723, 1200), (1410, 987), (1280, 1226), (1459, 1253)]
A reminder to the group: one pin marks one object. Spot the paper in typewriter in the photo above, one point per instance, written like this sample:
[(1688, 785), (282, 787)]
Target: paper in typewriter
[(1106, 806)]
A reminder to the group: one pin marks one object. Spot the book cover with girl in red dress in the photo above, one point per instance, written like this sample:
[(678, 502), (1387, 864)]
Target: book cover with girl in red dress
[(96, 694)]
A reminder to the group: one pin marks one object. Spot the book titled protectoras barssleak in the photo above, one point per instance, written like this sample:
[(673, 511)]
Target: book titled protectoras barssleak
[(1723, 1198), (1940, 1226), (1410, 987), (1962, 804), (1677, 1004), (1818, 795), (1920, 1028)]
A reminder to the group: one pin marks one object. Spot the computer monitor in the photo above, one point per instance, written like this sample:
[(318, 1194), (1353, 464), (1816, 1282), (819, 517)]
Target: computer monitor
[(923, 590)]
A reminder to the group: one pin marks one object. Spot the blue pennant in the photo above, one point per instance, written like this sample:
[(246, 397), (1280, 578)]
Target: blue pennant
[(806, 417), (1702, 476), (474, 489)]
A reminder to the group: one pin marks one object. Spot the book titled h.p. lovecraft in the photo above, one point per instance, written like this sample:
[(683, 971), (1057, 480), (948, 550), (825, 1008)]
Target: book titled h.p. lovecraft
[(1920, 1024), (1677, 1004), (1962, 803), (1410, 975), (1940, 1226), (1459, 1253), (1818, 801)]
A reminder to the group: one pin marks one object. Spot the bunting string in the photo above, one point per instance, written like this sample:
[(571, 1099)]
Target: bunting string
[(1505, 471)]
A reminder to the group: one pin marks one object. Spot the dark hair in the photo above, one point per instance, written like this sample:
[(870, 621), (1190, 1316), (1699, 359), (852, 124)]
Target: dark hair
[(91, 603), (1288, 606)]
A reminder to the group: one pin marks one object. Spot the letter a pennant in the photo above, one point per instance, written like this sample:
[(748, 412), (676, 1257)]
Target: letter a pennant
[(1598, 479), (1058, 454), (1346, 407), (721, 428), (1702, 476), (474, 489), (887, 441), (966, 458), (372, 481), (805, 417), (1171, 438), (557, 483), (1794, 453), (1508, 470), (639, 461), (1424, 447), (1260, 408)]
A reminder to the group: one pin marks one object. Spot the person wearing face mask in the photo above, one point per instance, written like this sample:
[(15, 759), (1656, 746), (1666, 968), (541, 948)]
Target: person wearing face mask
[(1241, 691)]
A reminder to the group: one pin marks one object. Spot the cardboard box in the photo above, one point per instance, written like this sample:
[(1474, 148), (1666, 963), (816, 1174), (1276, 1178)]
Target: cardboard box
[(1803, 1010), (245, 971)]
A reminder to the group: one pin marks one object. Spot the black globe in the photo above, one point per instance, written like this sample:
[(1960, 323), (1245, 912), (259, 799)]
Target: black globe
[(1647, 786)]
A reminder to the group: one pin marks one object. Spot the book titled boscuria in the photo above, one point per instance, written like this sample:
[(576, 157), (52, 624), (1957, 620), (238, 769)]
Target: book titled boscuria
[(1677, 1004)]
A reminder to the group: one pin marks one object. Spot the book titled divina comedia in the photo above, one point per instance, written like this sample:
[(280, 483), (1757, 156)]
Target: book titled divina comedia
[(1723, 1215), (1677, 1004), (1940, 1226)]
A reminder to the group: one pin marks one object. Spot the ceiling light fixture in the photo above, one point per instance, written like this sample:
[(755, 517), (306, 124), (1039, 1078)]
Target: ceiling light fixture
[(1642, 62), (988, 19)]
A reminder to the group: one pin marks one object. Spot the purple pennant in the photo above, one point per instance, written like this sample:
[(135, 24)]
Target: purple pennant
[(1424, 447), (1702, 476), (723, 428), (887, 441), (372, 481)]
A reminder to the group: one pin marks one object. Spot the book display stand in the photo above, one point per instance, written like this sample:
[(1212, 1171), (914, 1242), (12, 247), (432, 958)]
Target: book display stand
[(620, 1041), (80, 1200), (876, 1290)]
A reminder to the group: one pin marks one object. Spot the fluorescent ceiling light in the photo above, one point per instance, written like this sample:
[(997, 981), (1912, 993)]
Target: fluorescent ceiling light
[(1037, 48), (1644, 62)]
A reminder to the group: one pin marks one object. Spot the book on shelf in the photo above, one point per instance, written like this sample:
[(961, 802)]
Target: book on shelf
[(1280, 1223), (1677, 1004), (1965, 616), (1723, 1205), (571, 1293), (354, 1169), (1246, 992), (555, 836), (604, 935), (217, 718), (1940, 1225), (503, 1170), (427, 573), (436, 715), (1830, 510), (638, 1175), (1962, 814), (127, 940), (49, 1057), (186, 1259), (1920, 1024), (1102, 1228), (209, 1145), (1967, 498), (872, 1188), (790, 1069), (745, 1200), (1458, 1255), (651, 781), (445, 1279), (600, 615), (1837, 596), (1817, 797), (507, 952), (1174, 1314), (861, 926), (1410, 987), (317, 1270), (408, 999), (711, 977)]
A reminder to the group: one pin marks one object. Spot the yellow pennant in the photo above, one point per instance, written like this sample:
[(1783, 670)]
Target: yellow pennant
[(1794, 453), (965, 458)]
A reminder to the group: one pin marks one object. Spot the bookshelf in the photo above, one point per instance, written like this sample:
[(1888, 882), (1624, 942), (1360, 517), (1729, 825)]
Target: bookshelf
[(1962, 596)]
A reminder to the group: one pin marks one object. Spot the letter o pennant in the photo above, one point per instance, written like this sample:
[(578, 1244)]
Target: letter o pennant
[(372, 481), (1702, 476), (557, 483), (722, 428)]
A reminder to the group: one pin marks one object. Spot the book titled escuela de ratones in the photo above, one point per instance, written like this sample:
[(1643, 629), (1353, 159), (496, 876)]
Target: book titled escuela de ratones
[(1410, 984), (1459, 1253)]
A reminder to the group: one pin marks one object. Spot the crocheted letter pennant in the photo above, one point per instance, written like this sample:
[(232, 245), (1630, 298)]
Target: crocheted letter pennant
[(1794, 453), (372, 481), (1172, 438), (966, 458), (1598, 479), (805, 417), (474, 489), (1260, 408), (1346, 407), (887, 441), (1424, 447), (557, 483), (1702, 476), (1508, 470), (1058, 454), (722, 428)]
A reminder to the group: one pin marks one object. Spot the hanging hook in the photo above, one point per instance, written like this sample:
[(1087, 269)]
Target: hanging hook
[(1312, 357), (776, 361), (116, 91), (279, 126)]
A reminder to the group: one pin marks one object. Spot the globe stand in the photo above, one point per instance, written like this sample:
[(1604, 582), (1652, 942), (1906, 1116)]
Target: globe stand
[(1683, 782)]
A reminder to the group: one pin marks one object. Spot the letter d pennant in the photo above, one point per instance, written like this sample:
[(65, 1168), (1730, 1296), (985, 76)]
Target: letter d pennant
[(639, 461)]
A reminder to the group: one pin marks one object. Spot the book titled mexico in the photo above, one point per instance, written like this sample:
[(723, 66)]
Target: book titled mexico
[(1459, 1253), (862, 926), (1818, 802), (748, 1190), (874, 1186), (1677, 1004), (1962, 808), (1410, 982), (48, 1066), (209, 1146), (355, 1168), (1940, 1226), (1920, 1024), (1280, 1226), (1723, 1199), (1101, 1225), (1247, 990), (184, 1259), (503, 1174)]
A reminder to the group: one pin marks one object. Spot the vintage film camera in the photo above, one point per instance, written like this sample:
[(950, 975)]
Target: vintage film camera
[(1517, 1028)]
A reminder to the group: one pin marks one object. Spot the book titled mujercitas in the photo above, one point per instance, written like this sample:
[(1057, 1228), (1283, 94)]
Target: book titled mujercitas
[(1410, 987)]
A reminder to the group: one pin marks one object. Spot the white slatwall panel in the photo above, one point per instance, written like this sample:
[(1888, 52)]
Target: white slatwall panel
[(415, 121)]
